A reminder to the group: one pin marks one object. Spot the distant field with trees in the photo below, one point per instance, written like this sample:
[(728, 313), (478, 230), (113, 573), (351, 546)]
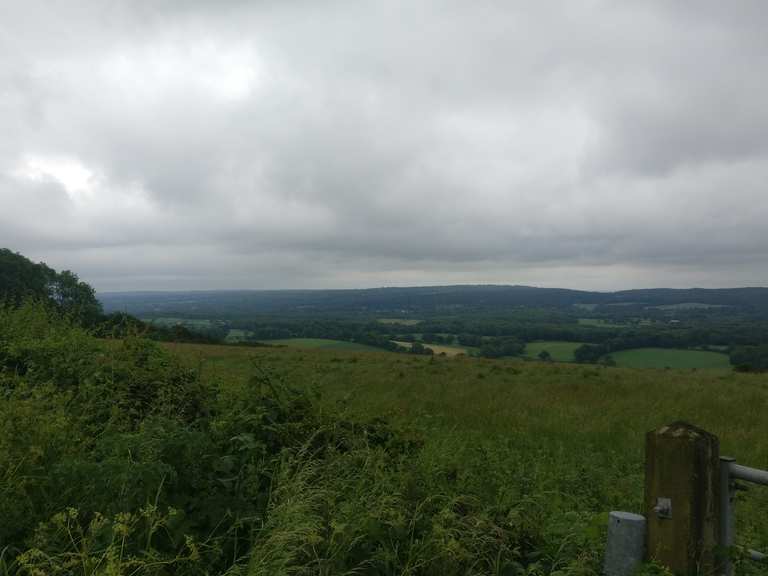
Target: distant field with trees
[(487, 321), (437, 348), (557, 351)]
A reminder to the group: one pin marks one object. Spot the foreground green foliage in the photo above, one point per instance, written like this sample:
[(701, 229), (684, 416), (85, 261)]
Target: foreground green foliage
[(120, 457), (117, 459)]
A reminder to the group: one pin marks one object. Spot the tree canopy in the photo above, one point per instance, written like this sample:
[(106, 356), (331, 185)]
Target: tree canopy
[(21, 279)]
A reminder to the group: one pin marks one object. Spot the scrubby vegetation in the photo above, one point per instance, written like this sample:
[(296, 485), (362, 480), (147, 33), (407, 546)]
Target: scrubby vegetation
[(117, 459)]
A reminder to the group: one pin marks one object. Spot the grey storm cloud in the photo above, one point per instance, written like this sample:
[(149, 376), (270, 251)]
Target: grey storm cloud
[(591, 144)]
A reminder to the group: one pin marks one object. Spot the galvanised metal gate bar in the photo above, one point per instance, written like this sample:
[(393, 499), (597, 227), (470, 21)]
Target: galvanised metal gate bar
[(729, 473)]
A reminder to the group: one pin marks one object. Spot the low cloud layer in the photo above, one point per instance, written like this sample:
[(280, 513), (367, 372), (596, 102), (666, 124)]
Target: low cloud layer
[(157, 145)]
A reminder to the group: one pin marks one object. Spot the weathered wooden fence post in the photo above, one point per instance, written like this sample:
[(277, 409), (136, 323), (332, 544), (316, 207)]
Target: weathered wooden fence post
[(682, 487)]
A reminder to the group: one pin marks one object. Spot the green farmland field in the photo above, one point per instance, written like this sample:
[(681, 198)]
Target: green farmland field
[(439, 348), (559, 351), (670, 358)]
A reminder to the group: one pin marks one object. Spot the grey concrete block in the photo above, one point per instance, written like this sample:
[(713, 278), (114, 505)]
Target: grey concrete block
[(625, 548)]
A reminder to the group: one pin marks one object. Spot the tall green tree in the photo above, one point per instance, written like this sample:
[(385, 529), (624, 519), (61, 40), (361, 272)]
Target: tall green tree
[(75, 297), (21, 279)]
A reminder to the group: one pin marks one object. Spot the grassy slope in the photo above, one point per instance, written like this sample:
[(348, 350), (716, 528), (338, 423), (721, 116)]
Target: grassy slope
[(496, 395), (560, 351), (672, 358), (576, 429), (503, 396)]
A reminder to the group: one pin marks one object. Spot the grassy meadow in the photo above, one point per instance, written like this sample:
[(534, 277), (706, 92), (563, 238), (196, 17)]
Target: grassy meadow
[(613, 404), (671, 358), (568, 437)]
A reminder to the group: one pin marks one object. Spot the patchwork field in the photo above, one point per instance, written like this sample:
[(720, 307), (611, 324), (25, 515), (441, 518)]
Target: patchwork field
[(671, 358), (438, 348), (447, 350)]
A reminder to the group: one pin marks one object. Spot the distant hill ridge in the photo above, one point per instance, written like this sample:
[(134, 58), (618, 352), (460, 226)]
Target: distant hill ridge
[(430, 298)]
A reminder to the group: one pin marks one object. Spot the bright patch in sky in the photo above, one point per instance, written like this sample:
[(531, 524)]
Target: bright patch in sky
[(77, 180), (222, 71), (231, 75)]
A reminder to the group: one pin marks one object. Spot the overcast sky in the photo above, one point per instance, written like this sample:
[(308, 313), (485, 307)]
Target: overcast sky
[(289, 144)]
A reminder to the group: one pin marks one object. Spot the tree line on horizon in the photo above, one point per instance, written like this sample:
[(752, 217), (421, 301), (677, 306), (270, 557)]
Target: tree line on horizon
[(490, 337)]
